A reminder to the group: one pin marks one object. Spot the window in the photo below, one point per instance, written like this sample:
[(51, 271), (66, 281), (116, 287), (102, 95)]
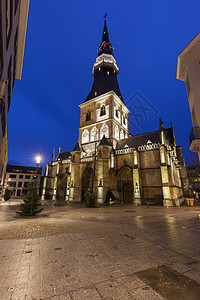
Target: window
[(104, 131), (124, 119), (9, 81), (26, 184), (12, 176), (88, 116), (117, 113), (121, 134), (117, 132), (103, 111), (20, 184), (16, 5), (85, 136), (9, 19), (3, 118), (27, 176), (94, 134), (188, 86), (15, 56), (21, 176), (12, 184)]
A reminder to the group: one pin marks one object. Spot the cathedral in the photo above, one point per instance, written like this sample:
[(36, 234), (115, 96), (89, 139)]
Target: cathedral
[(140, 169)]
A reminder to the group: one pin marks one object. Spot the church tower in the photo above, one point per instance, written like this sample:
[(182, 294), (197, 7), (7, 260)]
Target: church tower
[(103, 112)]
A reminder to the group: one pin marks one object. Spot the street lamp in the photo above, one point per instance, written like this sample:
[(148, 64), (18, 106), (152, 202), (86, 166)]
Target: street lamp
[(38, 161)]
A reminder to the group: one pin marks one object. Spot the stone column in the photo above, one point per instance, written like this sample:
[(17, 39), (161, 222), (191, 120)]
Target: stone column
[(55, 184), (167, 199)]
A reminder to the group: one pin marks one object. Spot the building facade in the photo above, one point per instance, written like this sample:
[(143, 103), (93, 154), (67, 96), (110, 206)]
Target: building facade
[(193, 173), (19, 177), (13, 25), (137, 168), (188, 70)]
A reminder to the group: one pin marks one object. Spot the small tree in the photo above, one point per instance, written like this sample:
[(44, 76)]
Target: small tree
[(6, 195), (110, 197), (31, 204), (90, 199)]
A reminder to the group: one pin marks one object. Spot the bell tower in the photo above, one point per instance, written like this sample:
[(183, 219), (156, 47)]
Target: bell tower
[(103, 112)]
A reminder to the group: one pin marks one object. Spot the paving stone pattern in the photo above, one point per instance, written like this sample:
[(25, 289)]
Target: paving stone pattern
[(75, 252)]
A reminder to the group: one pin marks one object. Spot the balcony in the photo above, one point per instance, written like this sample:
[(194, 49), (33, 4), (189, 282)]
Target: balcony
[(194, 138), (194, 134)]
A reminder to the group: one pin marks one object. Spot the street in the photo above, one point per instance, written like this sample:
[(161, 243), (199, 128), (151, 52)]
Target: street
[(110, 252)]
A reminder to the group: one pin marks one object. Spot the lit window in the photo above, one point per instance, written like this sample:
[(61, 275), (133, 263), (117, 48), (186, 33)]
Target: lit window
[(108, 72), (117, 132), (95, 93), (85, 136), (104, 131)]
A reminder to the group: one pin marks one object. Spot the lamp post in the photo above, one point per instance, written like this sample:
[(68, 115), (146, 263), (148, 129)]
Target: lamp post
[(38, 161)]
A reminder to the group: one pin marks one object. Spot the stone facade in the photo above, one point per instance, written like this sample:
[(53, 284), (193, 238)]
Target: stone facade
[(141, 169)]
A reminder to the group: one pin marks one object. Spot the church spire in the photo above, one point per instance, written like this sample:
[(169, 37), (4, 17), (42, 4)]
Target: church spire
[(105, 45)]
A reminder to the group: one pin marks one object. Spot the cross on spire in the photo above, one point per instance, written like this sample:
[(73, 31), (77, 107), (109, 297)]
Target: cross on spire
[(105, 15)]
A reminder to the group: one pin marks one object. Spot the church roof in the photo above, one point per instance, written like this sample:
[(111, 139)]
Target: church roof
[(104, 83), (104, 142), (77, 147), (63, 156), (140, 139)]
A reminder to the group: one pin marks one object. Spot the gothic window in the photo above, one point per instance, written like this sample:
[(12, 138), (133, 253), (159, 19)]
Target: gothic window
[(121, 134), (94, 134), (104, 131), (85, 136), (88, 116), (117, 113), (117, 132), (124, 119), (103, 111)]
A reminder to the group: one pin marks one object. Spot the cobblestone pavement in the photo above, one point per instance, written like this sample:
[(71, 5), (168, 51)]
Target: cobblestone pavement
[(79, 253)]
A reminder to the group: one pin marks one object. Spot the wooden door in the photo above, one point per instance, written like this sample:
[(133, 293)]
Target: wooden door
[(128, 193)]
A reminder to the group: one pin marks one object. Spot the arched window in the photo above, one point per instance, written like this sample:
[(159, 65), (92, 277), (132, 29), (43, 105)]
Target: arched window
[(85, 136), (103, 111), (121, 134), (117, 113), (104, 131), (124, 119), (117, 132), (94, 134), (88, 116)]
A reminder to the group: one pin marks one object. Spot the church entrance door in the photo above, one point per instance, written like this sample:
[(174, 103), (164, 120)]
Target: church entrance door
[(87, 179), (125, 184), (128, 193)]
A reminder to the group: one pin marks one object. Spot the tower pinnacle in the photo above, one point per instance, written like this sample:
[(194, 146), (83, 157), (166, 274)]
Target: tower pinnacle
[(105, 46)]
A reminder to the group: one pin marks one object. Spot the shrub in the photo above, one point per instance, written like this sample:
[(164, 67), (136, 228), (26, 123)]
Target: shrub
[(31, 204), (90, 199), (6, 195), (110, 198)]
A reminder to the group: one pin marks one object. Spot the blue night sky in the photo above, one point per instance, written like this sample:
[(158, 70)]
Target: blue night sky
[(61, 47)]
